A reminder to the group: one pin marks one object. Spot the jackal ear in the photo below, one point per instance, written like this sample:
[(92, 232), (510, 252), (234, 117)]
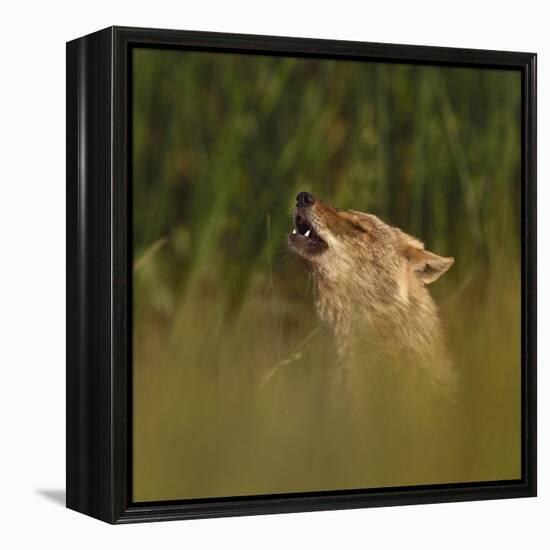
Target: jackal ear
[(426, 265)]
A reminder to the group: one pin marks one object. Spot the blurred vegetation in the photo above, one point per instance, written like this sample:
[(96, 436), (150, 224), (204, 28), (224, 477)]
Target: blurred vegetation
[(230, 362)]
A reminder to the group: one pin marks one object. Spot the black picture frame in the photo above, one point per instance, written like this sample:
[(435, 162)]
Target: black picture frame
[(99, 222)]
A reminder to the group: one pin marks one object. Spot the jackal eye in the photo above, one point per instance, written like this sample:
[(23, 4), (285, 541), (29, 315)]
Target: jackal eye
[(358, 227)]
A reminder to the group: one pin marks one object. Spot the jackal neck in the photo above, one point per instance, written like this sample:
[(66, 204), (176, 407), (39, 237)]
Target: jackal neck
[(406, 330)]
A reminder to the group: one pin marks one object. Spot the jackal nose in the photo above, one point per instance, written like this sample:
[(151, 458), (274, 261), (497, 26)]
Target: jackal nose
[(304, 199)]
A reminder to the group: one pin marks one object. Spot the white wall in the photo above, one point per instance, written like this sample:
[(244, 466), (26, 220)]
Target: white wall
[(32, 172)]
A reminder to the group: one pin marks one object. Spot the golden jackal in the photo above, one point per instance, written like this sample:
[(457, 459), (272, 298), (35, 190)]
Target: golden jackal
[(371, 283)]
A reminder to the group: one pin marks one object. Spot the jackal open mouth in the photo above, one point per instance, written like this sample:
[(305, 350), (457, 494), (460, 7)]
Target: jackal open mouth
[(304, 235)]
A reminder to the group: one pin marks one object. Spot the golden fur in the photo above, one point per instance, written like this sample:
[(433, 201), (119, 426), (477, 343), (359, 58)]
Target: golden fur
[(371, 280)]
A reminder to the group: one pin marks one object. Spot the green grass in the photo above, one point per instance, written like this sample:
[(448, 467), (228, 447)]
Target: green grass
[(232, 369)]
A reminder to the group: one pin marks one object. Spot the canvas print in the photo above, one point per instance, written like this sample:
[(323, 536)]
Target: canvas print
[(326, 260)]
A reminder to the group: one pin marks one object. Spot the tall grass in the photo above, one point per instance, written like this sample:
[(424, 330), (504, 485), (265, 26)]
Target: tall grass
[(232, 368)]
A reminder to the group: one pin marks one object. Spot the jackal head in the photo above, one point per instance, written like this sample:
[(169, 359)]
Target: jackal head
[(349, 247)]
